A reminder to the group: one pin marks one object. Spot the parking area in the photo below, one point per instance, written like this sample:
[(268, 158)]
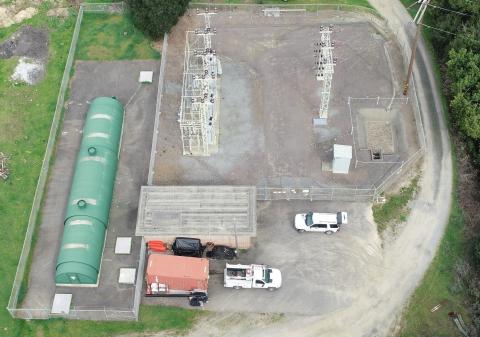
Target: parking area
[(320, 272), (93, 79), (270, 96)]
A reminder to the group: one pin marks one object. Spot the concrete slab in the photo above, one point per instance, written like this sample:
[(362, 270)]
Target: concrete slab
[(61, 304), (146, 77), (123, 245), (127, 275)]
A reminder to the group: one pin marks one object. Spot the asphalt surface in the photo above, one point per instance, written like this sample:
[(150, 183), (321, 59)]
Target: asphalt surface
[(93, 79)]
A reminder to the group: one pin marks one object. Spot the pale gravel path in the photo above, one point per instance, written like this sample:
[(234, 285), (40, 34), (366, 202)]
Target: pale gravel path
[(378, 305)]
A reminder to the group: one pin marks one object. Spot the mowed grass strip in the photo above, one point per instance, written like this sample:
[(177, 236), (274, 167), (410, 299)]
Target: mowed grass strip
[(112, 37)]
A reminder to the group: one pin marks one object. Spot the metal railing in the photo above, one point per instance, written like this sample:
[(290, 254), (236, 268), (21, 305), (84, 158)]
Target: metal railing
[(110, 8), (42, 179), (315, 193), (76, 313), (263, 193), (291, 9), (161, 75)]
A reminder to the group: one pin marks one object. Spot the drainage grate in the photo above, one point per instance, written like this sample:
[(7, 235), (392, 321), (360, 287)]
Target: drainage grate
[(377, 154)]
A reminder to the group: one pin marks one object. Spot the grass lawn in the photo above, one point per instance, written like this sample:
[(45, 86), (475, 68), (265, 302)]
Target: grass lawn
[(395, 208), (112, 37)]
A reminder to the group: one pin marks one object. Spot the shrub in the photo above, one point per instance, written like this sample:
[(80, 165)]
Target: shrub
[(156, 17)]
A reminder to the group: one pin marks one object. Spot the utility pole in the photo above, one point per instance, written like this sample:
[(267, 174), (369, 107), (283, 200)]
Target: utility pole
[(418, 19)]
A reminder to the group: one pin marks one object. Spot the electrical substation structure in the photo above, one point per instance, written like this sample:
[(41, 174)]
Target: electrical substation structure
[(324, 66), (199, 109)]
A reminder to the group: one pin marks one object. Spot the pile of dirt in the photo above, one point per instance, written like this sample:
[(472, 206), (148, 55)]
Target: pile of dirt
[(31, 44), (28, 41), (8, 16), (61, 12)]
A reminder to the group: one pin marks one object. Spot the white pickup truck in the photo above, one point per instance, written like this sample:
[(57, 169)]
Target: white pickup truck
[(239, 276)]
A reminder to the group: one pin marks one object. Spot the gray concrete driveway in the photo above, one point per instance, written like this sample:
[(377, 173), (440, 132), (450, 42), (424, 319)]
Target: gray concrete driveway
[(321, 273)]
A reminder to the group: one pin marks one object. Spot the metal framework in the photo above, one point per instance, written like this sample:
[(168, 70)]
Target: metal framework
[(199, 110), (324, 66)]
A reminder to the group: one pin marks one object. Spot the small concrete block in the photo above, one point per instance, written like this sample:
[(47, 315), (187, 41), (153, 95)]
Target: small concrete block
[(123, 245), (319, 121), (127, 276), (146, 77), (61, 304)]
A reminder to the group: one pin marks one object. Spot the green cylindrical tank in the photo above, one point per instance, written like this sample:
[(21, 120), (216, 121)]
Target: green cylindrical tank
[(88, 207), (103, 125), (81, 251), (92, 185)]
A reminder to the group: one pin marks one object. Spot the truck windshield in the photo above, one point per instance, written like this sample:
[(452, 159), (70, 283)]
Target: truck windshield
[(309, 219), (266, 275)]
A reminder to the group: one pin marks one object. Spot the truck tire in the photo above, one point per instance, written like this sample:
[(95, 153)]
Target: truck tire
[(271, 289), (329, 232), (237, 287), (301, 230)]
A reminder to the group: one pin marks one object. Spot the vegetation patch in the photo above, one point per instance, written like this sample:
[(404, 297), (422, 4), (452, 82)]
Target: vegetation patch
[(441, 286), (395, 208), (112, 37), (453, 279), (151, 319)]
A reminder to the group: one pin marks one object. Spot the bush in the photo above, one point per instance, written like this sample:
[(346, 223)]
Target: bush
[(156, 17)]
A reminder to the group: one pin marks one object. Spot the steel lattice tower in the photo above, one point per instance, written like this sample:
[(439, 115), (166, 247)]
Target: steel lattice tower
[(324, 66), (199, 108)]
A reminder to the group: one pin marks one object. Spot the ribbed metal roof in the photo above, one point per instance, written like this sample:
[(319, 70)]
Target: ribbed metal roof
[(197, 210)]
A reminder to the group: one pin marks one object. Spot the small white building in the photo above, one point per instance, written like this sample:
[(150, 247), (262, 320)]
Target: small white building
[(342, 155)]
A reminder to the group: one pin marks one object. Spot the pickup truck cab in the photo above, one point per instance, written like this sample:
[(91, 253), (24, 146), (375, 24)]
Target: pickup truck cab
[(239, 276), (327, 223)]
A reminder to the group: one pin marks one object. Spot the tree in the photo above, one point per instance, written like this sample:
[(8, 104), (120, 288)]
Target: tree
[(156, 17)]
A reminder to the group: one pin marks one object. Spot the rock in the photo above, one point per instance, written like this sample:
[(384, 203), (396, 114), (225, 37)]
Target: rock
[(25, 14), (5, 18), (9, 16), (29, 71)]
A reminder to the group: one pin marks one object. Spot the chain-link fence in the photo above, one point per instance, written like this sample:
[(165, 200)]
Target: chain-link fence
[(263, 193), (109, 8), (277, 10), (42, 179), (315, 193), (97, 313), (161, 75)]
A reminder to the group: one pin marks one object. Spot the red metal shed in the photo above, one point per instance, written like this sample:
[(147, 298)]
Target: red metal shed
[(178, 272)]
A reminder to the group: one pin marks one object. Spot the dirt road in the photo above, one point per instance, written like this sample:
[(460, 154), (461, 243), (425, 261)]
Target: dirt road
[(378, 304)]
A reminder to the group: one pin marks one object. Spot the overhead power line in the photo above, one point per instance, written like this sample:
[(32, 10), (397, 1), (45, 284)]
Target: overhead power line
[(440, 30), (449, 10)]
